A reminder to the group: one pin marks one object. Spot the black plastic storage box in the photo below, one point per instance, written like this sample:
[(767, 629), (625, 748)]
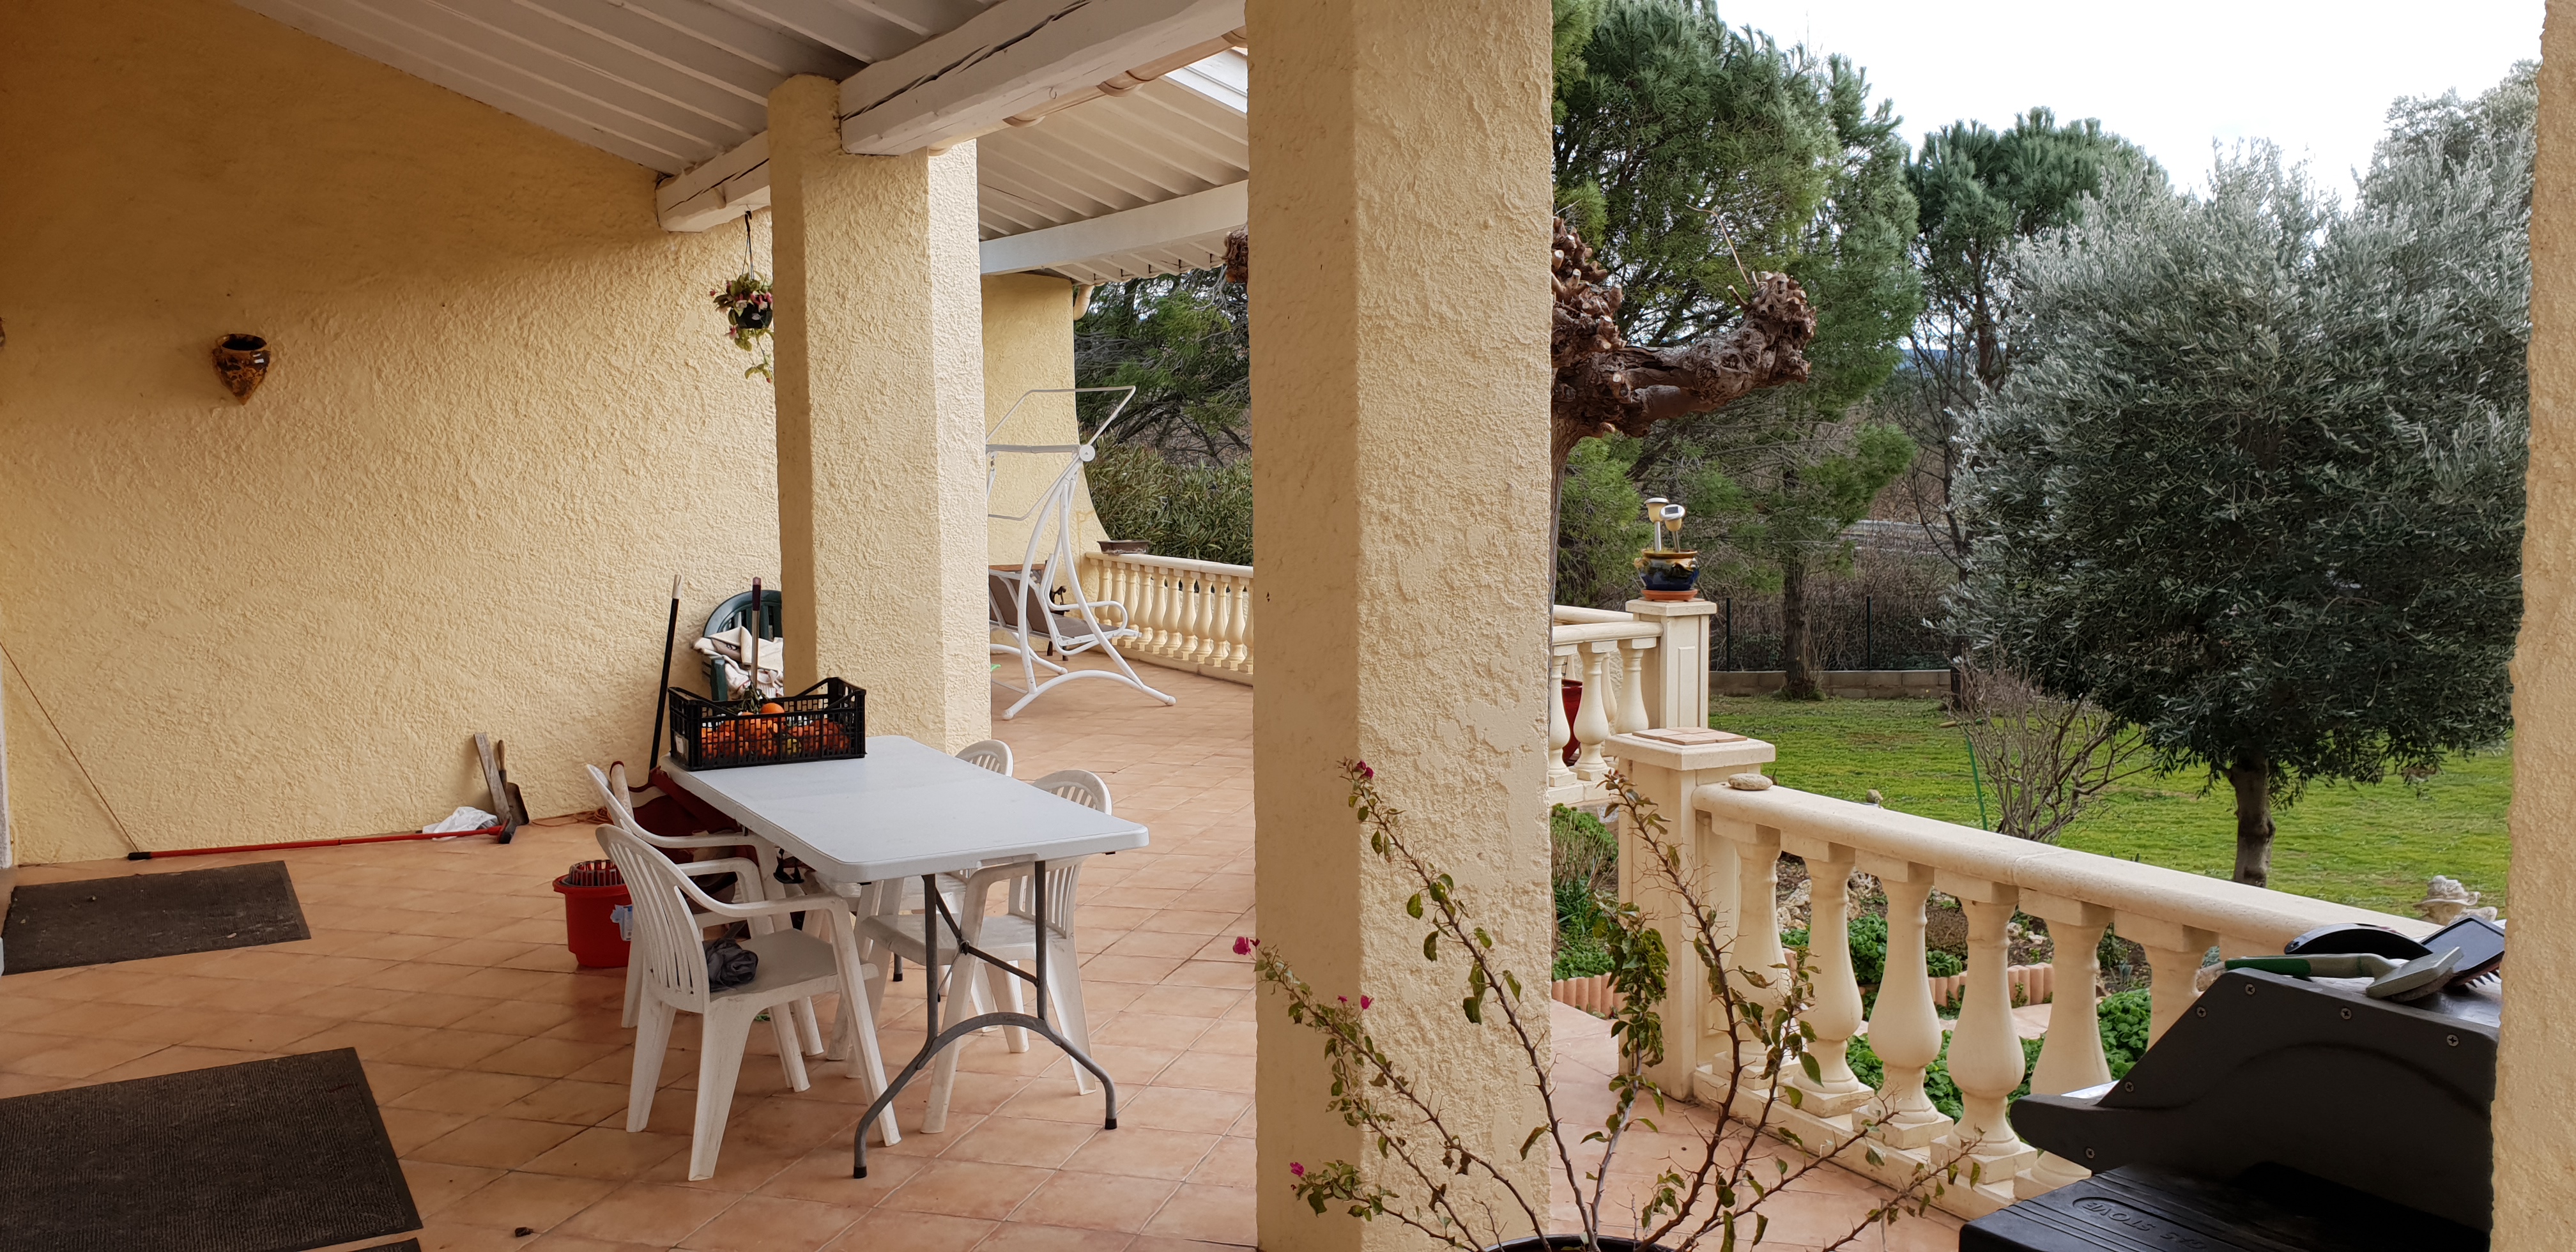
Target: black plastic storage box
[(825, 722)]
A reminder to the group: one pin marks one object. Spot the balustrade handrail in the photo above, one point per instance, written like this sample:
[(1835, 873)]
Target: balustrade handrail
[(1170, 562), (1593, 632), (2221, 907), (1571, 615)]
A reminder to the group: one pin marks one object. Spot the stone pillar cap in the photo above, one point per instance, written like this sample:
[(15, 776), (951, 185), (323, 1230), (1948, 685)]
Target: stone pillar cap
[(1672, 608), (1697, 750)]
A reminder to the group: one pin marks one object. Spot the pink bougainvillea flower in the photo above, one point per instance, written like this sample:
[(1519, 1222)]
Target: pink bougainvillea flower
[(1366, 774), (1297, 1169), (1343, 999), (1242, 945), (1364, 1001)]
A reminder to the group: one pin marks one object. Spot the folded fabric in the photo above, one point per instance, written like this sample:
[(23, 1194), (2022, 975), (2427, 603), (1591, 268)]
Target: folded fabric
[(465, 818), (729, 964), (733, 647)]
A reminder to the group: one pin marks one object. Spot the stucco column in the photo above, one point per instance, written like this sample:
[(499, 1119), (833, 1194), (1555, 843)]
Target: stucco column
[(2535, 1141), (1400, 303), (880, 421), (1028, 345)]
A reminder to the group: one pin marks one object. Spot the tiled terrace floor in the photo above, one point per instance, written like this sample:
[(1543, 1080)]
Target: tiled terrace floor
[(501, 1068)]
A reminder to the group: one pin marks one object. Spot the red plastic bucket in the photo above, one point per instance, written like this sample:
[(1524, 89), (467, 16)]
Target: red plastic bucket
[(588, 929)]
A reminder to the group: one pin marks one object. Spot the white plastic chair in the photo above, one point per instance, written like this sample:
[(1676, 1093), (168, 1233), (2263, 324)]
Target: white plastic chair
[(793, 966), (1012, 936), (992, 754), (612, 794)]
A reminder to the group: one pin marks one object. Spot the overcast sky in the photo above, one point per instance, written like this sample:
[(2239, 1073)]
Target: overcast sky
[(2315, 77)]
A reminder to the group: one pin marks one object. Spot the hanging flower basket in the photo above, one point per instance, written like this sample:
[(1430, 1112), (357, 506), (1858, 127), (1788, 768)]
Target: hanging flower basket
[(748, 309)]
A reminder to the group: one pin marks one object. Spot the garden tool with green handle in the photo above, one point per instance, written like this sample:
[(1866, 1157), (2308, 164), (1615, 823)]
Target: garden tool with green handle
[(2389, 980)]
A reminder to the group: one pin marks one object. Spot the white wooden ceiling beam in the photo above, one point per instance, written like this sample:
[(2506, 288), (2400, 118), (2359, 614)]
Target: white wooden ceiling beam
[(769, 47), (1014, 58), (861, 35), (718, 191), (1214, 211)]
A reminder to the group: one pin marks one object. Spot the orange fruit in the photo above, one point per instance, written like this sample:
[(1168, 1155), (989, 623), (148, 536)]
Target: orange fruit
[(773, 707)]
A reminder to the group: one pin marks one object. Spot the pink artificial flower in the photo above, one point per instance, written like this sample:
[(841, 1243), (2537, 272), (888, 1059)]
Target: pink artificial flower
[(1297, 1169), (1242, 946)]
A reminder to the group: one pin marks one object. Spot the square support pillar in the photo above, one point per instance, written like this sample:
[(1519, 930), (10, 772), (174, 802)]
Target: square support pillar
[(1677, 666), (1400, 301), (880, 421)]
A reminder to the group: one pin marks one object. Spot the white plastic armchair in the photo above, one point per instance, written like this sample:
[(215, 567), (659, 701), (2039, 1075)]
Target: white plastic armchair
[(794, 966), (749, 885)]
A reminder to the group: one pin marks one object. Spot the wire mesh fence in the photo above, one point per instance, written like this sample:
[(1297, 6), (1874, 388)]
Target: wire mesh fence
[(1853, 630)]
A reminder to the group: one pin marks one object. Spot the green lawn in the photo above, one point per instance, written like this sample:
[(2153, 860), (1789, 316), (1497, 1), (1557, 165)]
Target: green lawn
[(2371, 846)]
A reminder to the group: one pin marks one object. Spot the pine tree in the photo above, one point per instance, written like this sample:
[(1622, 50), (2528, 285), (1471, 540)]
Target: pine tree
[(2255, 482)]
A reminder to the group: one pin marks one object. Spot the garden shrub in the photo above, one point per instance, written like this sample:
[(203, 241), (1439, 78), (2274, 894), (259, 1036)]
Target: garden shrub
[(2125, 1018)]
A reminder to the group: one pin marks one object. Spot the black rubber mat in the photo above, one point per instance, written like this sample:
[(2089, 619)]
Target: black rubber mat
[(58, 924), (265, 1156)]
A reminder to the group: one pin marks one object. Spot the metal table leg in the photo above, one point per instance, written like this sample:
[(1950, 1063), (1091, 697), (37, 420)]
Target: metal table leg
[(934, 912)]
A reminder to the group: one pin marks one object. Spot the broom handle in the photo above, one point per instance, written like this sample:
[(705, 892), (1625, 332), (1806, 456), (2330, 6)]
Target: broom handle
[(661, 694)]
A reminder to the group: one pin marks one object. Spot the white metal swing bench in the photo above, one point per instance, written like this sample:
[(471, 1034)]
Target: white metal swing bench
[(1021, 598)]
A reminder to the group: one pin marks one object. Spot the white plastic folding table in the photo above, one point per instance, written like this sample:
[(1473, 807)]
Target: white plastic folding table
[(909, 810)]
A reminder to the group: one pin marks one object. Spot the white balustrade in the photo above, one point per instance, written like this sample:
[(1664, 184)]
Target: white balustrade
[(1191, 615), (1733, 857)]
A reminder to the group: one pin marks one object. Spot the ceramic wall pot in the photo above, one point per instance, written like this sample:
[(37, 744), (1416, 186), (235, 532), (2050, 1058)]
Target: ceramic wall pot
[(1669, 575), (1133, 547), (242, 362)]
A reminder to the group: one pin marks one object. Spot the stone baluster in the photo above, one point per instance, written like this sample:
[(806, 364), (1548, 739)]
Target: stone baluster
[(2072, 1059), (1592, 719), (2174, 953), (1833, 1010), (1559, 774), (1903, 1028), (1220, 592), (1985, 1050), (1756, 943), (1632, 686), (1140, 604), (1167, 603), (1193, 617), (1243, 628)]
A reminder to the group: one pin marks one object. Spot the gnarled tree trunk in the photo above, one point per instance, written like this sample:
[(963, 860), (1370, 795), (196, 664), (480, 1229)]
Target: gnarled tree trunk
[(2250, 776), (1604, 384)]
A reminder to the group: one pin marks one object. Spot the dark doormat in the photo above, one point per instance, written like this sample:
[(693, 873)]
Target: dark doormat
[(265, 1156), (58, 924)]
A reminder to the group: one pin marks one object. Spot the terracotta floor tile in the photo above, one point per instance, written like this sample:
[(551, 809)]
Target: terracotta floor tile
[(413, 976), (1096, 1201), (435, 1185), (1143, 1152), (386, 1080), (1232, 1163), (608, 1152), (643, 1213), (446, 1236), (1157, 943), (494, 1142), (884, 1230), (448, 1049), (1022, 1141), (772, 1224), (544, 1058), (565, 1099), (82, 1058), (1214, 1214), (823, 1175), (173, 1059), (538, 1201), (1019, 1236), (1136, 969), (1228, 1039), (1181, 1108), (1159, 1243), (1208, 1071), (1208, 1002), (88, 1019), (524, 1017), (471, 1093), (965, 1189), (410, 1128)]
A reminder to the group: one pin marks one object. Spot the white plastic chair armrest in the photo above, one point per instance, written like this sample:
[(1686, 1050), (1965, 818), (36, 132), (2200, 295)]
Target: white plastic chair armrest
[(705, 903), (701, 841)]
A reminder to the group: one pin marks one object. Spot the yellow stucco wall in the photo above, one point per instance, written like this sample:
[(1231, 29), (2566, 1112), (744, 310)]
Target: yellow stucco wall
[(1028, 345), (501, 418), (1400, 315), (2535, 1143)]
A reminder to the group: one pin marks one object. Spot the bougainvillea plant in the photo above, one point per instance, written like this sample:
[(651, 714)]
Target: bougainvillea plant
[(1463, 1191)]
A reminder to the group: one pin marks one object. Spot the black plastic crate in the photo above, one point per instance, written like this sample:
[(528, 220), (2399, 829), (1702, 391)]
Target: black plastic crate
[(825, 722)]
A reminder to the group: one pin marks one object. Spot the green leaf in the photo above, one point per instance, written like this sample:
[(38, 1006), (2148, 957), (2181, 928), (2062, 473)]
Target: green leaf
[(1413, 907), (1431, 946), (1475, 1009)]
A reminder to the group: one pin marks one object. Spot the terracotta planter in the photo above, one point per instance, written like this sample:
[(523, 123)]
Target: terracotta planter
[(1669, 575), (242, 362)]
